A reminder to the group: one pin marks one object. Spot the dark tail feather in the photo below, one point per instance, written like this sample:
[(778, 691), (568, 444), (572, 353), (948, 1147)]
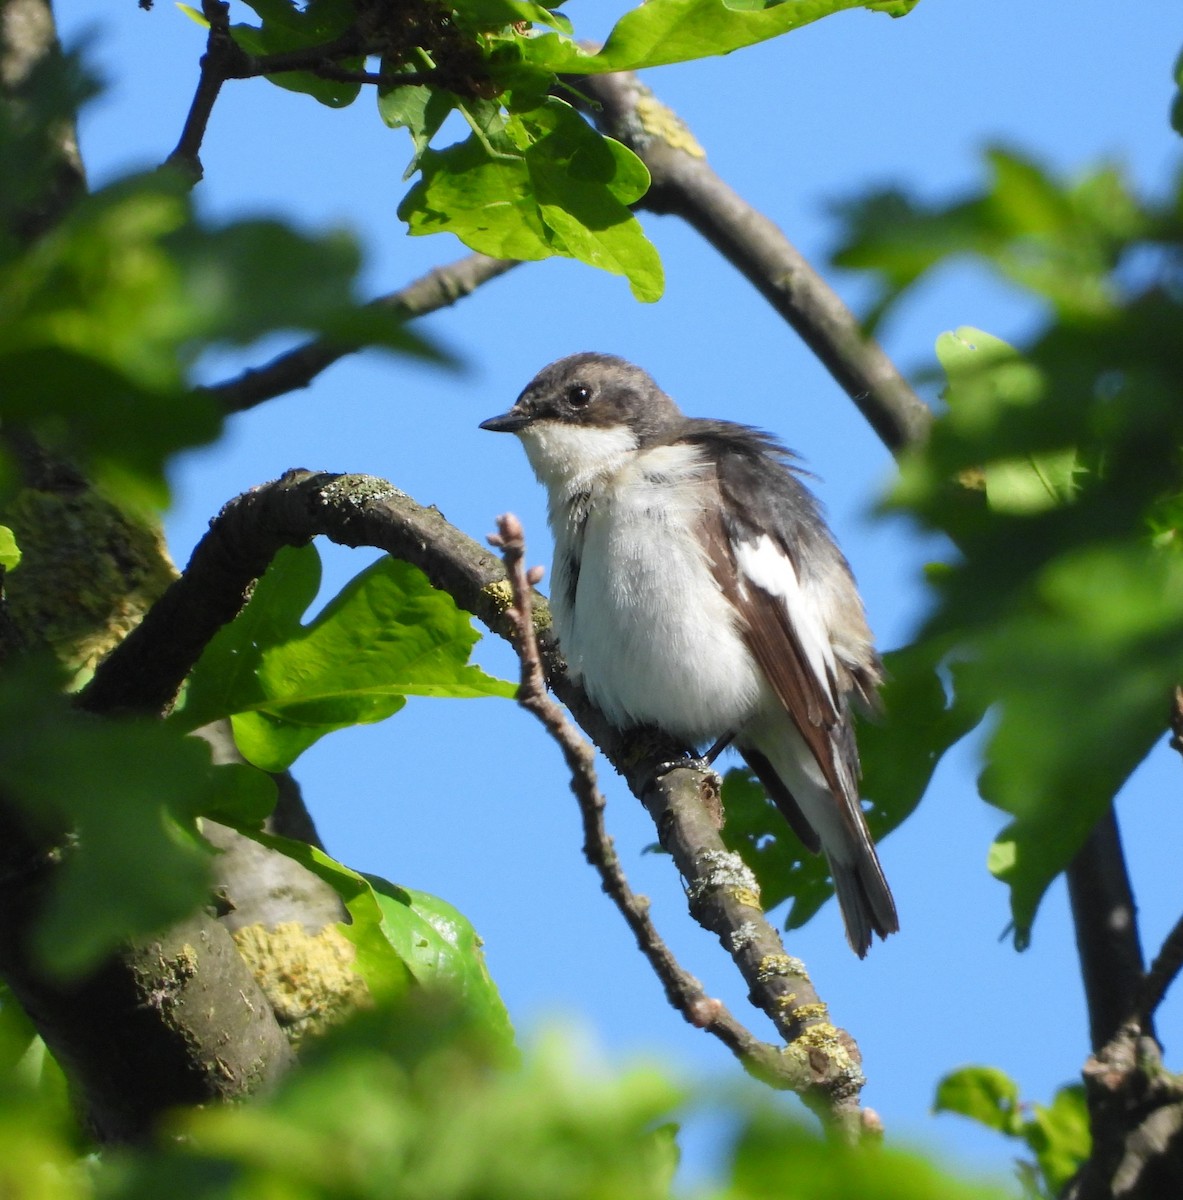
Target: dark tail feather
[(865, 899)]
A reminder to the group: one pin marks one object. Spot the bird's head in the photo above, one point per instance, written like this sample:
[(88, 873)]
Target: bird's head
[(581, 416)]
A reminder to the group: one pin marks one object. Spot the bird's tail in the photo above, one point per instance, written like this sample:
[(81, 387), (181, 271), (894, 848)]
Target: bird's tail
[(833, 824)]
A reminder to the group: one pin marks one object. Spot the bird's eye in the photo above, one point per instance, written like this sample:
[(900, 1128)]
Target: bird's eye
[(578, 395)]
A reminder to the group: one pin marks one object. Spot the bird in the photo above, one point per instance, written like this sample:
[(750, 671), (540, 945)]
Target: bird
[(696, 588)]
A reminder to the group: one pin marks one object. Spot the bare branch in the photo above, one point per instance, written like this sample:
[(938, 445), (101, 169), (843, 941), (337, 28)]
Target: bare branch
[(685, 184), (225, 59), (439, 288), (1104, 916), (1163, 972), (145, 671)]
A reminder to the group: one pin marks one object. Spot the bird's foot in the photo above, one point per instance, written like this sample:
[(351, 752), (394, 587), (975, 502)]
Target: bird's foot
[(690, 762)]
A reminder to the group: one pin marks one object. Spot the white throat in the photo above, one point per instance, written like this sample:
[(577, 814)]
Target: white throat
[(569, 458)]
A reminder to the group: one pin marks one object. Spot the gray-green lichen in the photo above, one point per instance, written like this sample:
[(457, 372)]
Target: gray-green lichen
[(88, 574), (658, 121), (725, 871), (359, 490)]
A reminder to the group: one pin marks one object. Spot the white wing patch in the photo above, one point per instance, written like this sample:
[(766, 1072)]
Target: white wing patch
[(765, 565)]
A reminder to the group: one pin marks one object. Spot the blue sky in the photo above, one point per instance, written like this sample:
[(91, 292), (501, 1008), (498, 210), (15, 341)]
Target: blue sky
[(469, 800)]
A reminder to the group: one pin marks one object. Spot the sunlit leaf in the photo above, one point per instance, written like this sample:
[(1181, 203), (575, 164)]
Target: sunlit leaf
[(10, 552), (443, 951), (668, 31), (540, 183), (387, 635)]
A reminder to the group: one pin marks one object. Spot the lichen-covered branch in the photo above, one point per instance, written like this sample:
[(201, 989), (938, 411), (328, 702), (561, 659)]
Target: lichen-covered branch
[(146, 670), (684, 992)]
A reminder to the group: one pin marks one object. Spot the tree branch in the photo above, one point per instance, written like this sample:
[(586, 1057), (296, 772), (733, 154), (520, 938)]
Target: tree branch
[(684, 992), (145, 671), (1104, 917), (440, 288), (225, 59), (170, 1020), (684, 184)]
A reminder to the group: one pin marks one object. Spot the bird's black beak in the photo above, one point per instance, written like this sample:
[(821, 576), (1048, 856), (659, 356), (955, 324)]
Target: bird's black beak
[(509, 422)]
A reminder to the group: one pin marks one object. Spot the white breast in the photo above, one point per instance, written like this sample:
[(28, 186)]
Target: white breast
[(649, 633)]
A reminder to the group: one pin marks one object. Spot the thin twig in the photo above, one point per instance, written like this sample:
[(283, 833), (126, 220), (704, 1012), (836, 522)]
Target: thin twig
[(1163, 972), (439, 288), (684, 992)]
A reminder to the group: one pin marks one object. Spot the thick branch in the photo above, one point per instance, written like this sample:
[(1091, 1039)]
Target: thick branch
[(1103, 914), (146, 670), (685, 184), (171, 1020), (440, 288)]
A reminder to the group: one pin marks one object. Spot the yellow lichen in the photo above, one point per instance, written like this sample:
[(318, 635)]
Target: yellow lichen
[(500, 593), (661, 122), (811, 1012), (308, 978)]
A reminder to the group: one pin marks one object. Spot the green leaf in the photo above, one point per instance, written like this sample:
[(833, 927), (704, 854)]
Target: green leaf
[(985, 1095), (774, 1159), (443, 951), (537, 184), (101, 319), (421, 110), (1061, 239), (194, 14), (10, 552), (286, 27), (387, 635), (1107, 625), (669, 31)]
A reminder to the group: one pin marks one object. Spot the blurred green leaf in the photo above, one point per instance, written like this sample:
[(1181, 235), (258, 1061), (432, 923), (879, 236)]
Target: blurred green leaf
[(10, 552), (1058, 1135), (101, 319), (1068, 466), (443, 951), (774, 1159), (1059, 240), (121, 798), (536, 184), (1083, 681), (984, 1094), (388, 634), (1060, 1138), (17, 1033)]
